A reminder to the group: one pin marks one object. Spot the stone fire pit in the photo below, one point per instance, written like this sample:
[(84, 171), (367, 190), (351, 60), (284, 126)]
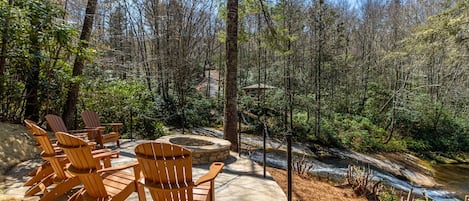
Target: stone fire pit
[(204, 149)]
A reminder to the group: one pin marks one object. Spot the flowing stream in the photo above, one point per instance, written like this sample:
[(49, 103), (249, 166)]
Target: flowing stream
[(454, 179), (337, 168)]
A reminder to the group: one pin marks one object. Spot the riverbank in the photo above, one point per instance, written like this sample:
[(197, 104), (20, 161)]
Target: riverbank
[(308, 188)]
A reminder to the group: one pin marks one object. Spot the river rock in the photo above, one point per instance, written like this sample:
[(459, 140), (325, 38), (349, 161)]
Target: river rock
[(402, 165)]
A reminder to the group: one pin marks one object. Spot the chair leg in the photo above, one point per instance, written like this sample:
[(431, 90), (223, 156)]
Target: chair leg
[(40, 173), (61, 188), (106, 162), (211, 193), (141, 192), (101, 145), (118, 143), (41, 186)]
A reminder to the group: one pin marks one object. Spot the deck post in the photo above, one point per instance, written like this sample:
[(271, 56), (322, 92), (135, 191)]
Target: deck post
[(264, 149), (289, 164)]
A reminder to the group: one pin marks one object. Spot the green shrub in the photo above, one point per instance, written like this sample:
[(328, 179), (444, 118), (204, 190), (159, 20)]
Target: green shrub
[(154, 130), (359, 133), (431, 127), (199, 110), (126, 101), (388, 196)]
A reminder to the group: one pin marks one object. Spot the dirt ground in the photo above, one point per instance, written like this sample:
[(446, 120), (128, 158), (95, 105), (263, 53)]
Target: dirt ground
[(305, 189)]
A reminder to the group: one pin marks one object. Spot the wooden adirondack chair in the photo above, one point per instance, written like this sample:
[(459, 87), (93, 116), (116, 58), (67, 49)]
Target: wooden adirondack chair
[(45, 169), (91, 120), (57, 124), (57, 160), (105, 184), (167, 169)]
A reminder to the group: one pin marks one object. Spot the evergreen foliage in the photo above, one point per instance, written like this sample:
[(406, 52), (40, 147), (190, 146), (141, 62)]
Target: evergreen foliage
[(377, 76)]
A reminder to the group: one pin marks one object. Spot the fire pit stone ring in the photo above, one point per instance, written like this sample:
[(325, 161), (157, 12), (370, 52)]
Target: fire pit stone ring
[(204, 149)]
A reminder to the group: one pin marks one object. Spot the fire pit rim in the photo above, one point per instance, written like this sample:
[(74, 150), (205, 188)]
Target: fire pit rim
[(216, 143)]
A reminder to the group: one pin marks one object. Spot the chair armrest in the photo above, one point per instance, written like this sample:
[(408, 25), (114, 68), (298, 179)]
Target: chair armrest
[(120, 167), (82, 133), (78, 131), (215, 168), (115, 126), (112, 124), (94, 128), (60, 156), (103, 153)]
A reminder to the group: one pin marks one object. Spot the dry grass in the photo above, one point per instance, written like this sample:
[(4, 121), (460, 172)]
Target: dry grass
[(309, 189)]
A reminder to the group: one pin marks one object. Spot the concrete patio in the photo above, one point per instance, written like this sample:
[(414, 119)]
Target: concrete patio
[(241, 179)]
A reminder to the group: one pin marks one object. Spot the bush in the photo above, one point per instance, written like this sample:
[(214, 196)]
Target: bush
[(123, 101), (154, 130), (198, 111), (430, 127), (388, 196), (359, 133)]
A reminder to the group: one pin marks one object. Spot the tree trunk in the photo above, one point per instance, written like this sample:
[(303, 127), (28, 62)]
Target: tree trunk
[(231, 116), (32, 81), (319, 59), (3, 56), (72, 96)]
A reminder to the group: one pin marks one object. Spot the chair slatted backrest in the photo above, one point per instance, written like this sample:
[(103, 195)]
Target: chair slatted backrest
[(91, 119), (48, 151), (29, 125), (82, 163), (167, 169), (56, 123)]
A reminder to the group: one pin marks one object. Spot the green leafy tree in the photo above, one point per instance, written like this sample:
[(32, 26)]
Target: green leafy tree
[(32, 41)]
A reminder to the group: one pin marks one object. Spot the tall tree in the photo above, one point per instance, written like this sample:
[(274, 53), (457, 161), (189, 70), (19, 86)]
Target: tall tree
[(72, 96), (3, 51), (230, 112), (41, 17), (4, 46), (318, 65), (32, 80)]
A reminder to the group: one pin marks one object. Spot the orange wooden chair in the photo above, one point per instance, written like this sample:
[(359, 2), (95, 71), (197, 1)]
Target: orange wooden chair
[(63, 180), (45, 169), (167, 169), (91, 120), (57, 124), (105, 184)]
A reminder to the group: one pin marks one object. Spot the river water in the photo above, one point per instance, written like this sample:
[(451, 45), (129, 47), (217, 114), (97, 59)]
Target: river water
[(453, 189), (454, 178)]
